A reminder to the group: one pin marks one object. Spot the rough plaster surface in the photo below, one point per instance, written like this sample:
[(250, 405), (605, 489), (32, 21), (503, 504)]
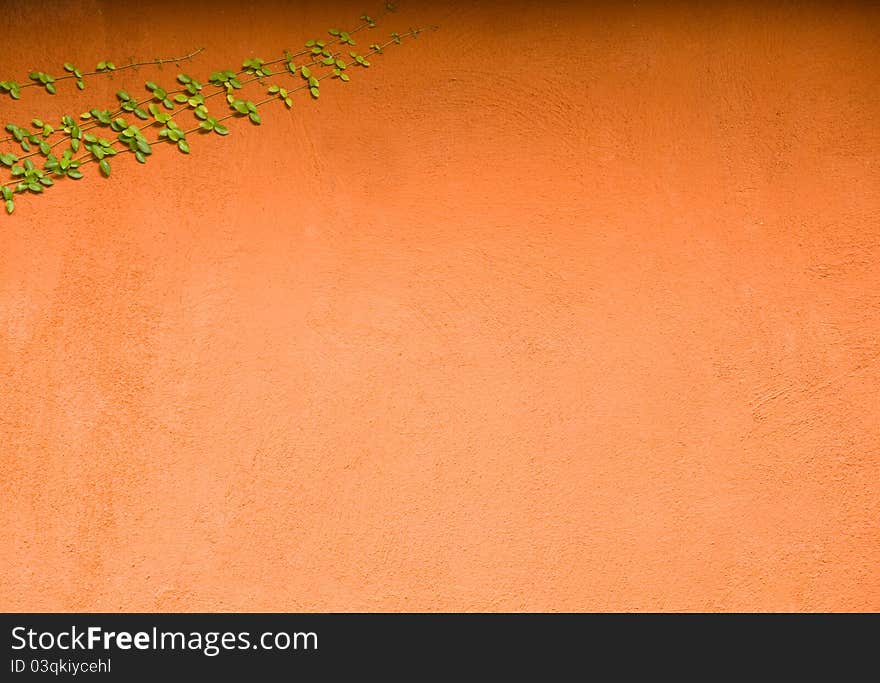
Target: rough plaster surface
[(564, 307)]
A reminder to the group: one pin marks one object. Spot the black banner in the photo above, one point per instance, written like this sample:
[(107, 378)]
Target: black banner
[(109, 647)]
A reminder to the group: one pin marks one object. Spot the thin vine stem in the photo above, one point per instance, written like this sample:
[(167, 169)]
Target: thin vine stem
[(110, 72)]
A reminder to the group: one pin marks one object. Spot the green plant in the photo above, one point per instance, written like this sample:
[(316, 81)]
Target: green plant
[(97, 135)]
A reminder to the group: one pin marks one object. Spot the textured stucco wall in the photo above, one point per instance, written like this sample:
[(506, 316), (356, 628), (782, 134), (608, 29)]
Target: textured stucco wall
[(566, 306)]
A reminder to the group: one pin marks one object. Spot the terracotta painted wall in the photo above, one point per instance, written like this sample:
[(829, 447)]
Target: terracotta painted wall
[(566, 306)]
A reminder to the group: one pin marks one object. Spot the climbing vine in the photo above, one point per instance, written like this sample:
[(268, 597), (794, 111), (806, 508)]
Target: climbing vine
[(170, 114)]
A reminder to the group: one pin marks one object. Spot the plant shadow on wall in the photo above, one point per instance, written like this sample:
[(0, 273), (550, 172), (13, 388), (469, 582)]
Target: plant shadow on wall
[(44, 152)]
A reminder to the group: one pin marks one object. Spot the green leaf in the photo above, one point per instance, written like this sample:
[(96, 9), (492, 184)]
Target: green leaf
[(221, 130), (68, 67), (183, 79), (74, 144), (123, 96), (101, 66), (327, 61), (141, 159), (105, 167), (333, 31), (44, 148), (76, 175), (8, 159), (111, 66), (273, 89), (207, 125), (10, 206), (305, 72), (291, 67), (315, 92), (36, 123), (7, 193), (288, 102), (255, 118), (80, 84), (345, 77), (314, 82), (180, 98), (183, 146), (50, 88)]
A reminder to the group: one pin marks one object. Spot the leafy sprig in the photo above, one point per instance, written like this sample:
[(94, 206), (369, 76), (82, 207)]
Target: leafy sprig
[(162, 106), (48, 82)]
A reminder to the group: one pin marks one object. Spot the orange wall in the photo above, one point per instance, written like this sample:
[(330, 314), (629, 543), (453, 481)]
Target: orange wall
[(566, 306)]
